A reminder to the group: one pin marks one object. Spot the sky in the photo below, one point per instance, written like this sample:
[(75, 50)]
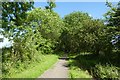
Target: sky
[(5, 42), (95, 9)]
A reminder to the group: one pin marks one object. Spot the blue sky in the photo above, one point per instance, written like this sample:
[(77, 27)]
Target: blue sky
[(95, 9)]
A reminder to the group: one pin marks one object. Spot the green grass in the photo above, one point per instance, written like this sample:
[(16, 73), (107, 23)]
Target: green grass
[(36, 69), (76, 72), (98, 66)]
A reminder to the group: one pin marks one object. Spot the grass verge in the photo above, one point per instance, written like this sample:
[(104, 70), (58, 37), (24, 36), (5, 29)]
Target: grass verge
[(76, 72), (37, 68), (99, 66)]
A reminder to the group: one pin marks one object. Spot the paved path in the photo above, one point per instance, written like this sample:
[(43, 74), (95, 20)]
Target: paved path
[(59, 70)]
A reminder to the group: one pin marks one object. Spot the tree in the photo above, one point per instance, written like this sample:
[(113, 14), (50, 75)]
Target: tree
[(113, 23), (113, 15), (72, 38), (50, 24), (16, 12), (82, 33), (51, 5)]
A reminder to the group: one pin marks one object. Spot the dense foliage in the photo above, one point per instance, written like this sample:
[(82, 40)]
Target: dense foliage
[(48, 23), (83, 33), (15, 11), (36, 32), (113, 23), (37, 35), (104, 41)]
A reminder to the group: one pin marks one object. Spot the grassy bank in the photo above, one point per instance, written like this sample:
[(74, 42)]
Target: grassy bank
[(99, 66), (76, 72), (35, 69)]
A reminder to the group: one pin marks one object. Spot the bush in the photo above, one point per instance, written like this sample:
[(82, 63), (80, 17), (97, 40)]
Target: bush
[(106, 71), (31, 39)]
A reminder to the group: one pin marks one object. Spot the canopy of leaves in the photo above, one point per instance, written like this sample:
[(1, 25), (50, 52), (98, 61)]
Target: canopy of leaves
[(14, 11), (51, 5), (113, 23), (49, 23), (83, 33)]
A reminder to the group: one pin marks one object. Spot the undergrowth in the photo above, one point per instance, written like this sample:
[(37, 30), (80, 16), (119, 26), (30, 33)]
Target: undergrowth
[(34, 69)]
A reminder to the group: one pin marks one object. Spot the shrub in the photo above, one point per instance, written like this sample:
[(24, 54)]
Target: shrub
[(106, 71)]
